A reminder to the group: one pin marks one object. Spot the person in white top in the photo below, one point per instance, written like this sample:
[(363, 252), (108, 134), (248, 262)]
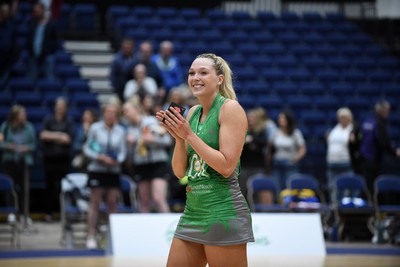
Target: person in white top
[(338, 153), (286, 148), (141, 84)]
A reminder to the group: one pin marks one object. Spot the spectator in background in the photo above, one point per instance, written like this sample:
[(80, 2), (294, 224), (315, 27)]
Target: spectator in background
[(375, 143), (8, 48), (17, 152), (254, 154), (43, 41), (169, 66), (56, 137), (148, 143), (179, 96), (79, 161), (338, 141), (121, 66), (286, 148), (141, 84), (144, 57), (105, 146)]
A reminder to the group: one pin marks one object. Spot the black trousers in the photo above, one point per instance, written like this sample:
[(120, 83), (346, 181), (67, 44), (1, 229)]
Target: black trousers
[(371, 170), (17, 171), (55, 168)]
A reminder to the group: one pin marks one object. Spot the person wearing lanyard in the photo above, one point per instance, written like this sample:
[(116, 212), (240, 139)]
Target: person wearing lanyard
[(106, 148)]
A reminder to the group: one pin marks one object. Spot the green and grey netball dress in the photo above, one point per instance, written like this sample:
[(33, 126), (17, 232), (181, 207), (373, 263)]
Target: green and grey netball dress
[(216, 212)]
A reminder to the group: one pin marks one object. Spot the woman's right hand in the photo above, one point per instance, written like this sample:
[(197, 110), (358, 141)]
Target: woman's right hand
[(160, 115)]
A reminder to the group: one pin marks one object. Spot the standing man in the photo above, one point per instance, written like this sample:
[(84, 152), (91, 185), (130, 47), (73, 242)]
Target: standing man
[(375, 143), (56, 137), (121, 67)]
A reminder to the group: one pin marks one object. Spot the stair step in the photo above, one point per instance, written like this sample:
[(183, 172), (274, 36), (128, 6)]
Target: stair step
[(87, 46), (95, 72), (90, 59)]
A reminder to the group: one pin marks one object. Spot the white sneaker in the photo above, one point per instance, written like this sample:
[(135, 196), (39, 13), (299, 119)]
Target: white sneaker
[(91, 243), (11, 218)]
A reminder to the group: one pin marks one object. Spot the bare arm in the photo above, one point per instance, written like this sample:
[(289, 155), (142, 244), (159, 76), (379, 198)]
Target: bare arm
[(233, 126)]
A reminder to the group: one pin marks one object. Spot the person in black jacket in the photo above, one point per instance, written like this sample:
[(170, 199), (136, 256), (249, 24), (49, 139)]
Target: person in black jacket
[(43, 41)]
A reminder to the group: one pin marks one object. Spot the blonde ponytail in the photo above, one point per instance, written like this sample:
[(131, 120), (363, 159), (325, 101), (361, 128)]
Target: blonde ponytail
[(222, 68)]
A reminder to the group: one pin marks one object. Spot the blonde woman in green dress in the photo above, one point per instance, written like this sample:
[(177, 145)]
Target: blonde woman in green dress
[(216, 224)]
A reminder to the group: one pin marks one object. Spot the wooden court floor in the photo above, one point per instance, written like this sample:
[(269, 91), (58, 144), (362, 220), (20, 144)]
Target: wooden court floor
[(329, 261)]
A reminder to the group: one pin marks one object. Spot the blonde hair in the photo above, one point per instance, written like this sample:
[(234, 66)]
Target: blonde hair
[(222, 68), (344, 112), (260, 118)]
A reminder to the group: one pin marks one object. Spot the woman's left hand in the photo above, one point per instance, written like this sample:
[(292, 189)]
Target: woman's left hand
[(177, 123)]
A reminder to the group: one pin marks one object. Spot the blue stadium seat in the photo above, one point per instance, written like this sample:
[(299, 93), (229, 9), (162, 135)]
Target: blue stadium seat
[(357, 104), (351, 50), (353, 75), (190, 13), (285, 88), (323, 27), (222, 49), (312, 118), (341, 89), (241, 16), (266, 16), (313, 62), (299, 102), (211, 35), (338, 62), (287, 37), (251, 26), (76, 85), (236, 61), (360, 38), (152, 23), (368, 89), (286, 61), (64, 22), (62, 57), (347, 28), (164, 34), (300, 27), (388, 62), (127, 23), (50, 85), (6, 98), (36, 114), (50, 97), (289, 17), (196, 48), (273, 74), (270, 102), (325, 49), (364, 62), (313, 38), (264, 37), (67, 71), (245, 74), (249, 49), (326, 75), (299, 74), (274, 49), (85, 17), (276, 26), (82, 100), (378, 76), (391, 90), (116, 12), (28, 98), (312, 17), (256, 88), (186, 35), (311, 88), (238, 37), (20, 84), (215, 14), (247, 101), (375, 50), (300, 49), (201, 24), (166, 12), (142, 11), (260, 61), (226, 25), (138, 34), (335, 17), (325, 102)]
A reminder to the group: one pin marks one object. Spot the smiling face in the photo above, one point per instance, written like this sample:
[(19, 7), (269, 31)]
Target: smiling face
[(203, 78)]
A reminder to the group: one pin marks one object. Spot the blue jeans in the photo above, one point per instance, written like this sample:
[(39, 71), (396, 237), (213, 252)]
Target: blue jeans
[(334, 169), (43, 69), (282, 169)]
